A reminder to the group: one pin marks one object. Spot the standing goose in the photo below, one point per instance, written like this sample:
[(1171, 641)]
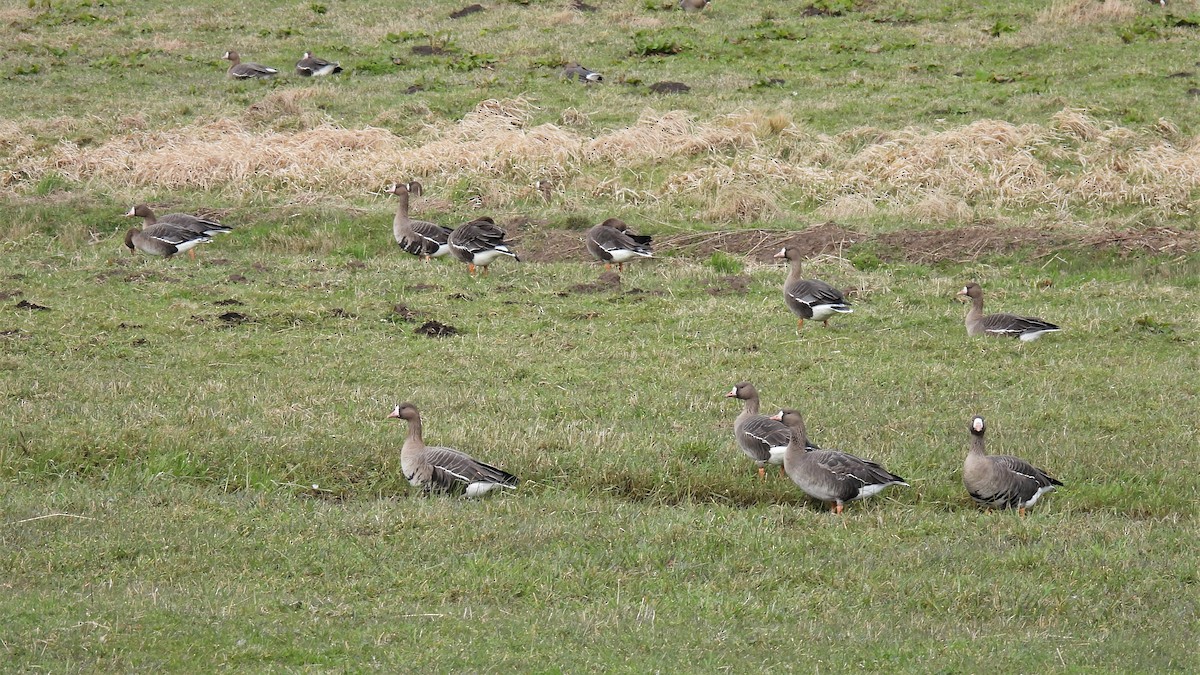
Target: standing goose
[(1027, 328), (578, 72), (419, 237), (829, 475), (444, 469), (1002, 481), (183, 221), (247, 71), (311, 66), (478, 243), (763, 439), (610, 242), (809, 298), (163, 239)]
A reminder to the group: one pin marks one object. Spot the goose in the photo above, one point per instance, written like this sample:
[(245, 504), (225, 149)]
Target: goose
[(1027, 328), (578, 72), (163, 239), (830, 475), (183, 221), (610, 242), (763, 439), (809, 298), (478, 243), (693, 5), (311, 66), (247, 71), (419, 237), (1002, 481), (444, 469)]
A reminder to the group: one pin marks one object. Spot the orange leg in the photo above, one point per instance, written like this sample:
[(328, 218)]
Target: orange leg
[(782, 472), (837, 508), (762, 473), (1021, 511), (826, 322), (470, 268), (192, 253), (799, 324), (607, 266)]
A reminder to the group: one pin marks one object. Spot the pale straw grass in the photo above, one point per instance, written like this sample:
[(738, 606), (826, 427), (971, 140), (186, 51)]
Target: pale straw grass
[(1077, 12), (733, 168)]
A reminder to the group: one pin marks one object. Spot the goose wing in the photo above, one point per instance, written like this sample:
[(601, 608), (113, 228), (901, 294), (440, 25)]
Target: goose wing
[(454, 469)]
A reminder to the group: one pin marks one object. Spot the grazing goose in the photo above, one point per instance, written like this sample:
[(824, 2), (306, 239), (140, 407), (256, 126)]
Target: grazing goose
[(247, 71), (609, 242), (478, 243), (578, 72), (311, 66), (829, 475), (693, 5), (419, 237), (163, 239), (183, 221), (1002, 481), (1027, 328), (444, 469), (809, 298), (763, 439)]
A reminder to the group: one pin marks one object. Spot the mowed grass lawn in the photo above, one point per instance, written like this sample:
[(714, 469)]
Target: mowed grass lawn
[(196, 472)]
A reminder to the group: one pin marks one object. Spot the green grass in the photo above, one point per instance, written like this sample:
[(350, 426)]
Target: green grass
[(195, 468)]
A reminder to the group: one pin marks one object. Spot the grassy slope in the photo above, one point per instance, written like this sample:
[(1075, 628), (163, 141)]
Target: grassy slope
[(641, 538)]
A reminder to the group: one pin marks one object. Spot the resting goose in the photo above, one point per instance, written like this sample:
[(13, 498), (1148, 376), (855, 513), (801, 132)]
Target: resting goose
[(610, 242), (1002, 481), (419, 237), (311, 66), (578, 72), (163, 239), (763, 439), (1027, 328), (183, 221), (478, 243), (693, 5), (247, 71), (830, 475), (809, 298), (444, 469)]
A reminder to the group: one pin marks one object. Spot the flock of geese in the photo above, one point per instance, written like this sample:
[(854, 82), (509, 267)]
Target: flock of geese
[(831, 476)]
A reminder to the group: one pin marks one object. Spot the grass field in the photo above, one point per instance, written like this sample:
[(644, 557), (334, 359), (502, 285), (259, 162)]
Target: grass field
[(195, 468)]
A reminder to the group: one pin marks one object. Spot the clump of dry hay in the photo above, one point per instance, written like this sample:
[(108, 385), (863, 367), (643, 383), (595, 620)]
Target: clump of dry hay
[(1077, 12), (733, 168)]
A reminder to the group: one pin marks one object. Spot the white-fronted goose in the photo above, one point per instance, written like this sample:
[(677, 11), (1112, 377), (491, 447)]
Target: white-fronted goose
[(809, 298), (610, 242), (578, 72), (830, 475), (184, 221), (240, 70), (311, 66), (163, 239), (1002, 481), (1027, 328), (693, 5), (444, 469), (763, 439), (419, 237), (479, 242)]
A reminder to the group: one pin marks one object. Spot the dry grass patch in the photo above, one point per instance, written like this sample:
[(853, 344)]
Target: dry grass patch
[(1077, 12)]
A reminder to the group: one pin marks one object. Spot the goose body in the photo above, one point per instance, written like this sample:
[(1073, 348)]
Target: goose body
[(163, 239), (184, 221), (419, 237), (693, 5), (440, 469), (610, 242), (1002, 481), (830, 475), (480, 242), (311, 66), (809, 298), (578, 72), (239, 70), (1025, 328)]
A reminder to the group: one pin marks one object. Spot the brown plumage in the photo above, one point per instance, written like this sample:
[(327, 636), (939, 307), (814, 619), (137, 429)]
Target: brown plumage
[(239, 70), (611, 242), (479, 242), (440, 469), (809, 298), (1027, 328), (763, 439), (419, 237), (1002, 481), (830, 475)]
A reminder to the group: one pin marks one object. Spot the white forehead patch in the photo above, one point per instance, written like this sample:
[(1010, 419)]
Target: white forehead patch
[(977, 424)]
